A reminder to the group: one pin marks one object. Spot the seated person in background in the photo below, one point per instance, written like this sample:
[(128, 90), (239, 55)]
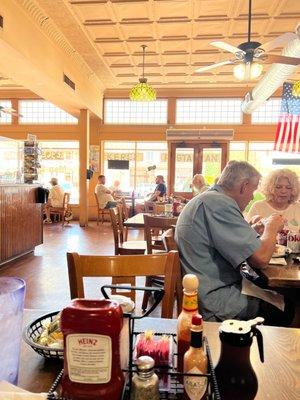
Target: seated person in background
[(104, 195), (160, 189), (281, 188), (55, 199), (116, 189), (199, 184), (213, 239)]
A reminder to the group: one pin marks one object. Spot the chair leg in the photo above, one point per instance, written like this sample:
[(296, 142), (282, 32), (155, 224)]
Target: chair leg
[(146, 294), (102, 217), (97, 217)]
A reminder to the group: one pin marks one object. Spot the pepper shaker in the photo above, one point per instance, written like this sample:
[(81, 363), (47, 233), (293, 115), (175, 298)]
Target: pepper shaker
[(145, 382)]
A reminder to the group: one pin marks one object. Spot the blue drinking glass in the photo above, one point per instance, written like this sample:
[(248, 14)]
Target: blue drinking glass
[(12, 293)]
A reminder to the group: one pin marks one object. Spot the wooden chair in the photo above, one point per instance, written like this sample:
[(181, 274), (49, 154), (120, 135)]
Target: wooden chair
[(168, 240), (126, 268), (101, 212), (125, 216), (154, 227), (61, 211), (118, 232)]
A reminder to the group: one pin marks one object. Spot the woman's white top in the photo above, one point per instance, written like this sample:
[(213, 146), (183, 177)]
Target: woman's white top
[(264, 210)]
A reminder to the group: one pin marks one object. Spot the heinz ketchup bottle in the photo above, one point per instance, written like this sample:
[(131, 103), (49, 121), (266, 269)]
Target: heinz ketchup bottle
[(91, 330)]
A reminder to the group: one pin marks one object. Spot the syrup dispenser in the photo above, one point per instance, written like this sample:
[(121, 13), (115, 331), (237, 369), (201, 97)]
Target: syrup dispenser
[(235, 376)]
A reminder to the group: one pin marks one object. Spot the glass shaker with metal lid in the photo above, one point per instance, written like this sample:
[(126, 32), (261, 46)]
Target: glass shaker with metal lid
[(235, 376), (145, 382)]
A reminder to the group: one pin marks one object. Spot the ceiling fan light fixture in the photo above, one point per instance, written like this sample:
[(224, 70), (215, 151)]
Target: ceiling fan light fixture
[(247, 71), (142, 91)]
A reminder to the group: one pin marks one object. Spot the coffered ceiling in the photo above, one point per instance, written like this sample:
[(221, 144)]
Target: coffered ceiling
[(109, 33)]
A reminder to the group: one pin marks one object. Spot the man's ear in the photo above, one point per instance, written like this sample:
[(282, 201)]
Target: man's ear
[(243, 186)]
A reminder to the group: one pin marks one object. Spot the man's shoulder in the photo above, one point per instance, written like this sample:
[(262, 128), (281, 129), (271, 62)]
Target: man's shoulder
[(214, 199)]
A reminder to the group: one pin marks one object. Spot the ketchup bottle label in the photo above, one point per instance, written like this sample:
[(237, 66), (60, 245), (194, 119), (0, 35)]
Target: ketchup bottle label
[(89, 358)]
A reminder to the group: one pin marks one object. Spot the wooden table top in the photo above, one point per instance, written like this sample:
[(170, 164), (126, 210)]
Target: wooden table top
[(278, 377), (137, 221), (283, 276)]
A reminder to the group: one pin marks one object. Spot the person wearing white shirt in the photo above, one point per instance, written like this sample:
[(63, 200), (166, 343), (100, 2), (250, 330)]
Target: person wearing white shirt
[(55, 199), (104, 195), (281, 189)]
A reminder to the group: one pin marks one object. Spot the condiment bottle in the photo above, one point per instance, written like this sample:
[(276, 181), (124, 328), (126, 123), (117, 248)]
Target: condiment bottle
[(91, 330), (190, 285), (235, 376), (195, 362), (145, 382)]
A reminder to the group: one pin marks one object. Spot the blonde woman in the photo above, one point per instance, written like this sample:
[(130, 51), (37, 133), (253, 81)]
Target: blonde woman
[(281, 189), (199, 184)]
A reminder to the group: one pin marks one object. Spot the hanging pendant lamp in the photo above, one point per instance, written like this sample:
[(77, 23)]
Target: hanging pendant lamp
[(296, 89), (142, 91)]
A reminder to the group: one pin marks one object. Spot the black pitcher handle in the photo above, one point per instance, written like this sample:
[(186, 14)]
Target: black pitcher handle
[(259, 338)]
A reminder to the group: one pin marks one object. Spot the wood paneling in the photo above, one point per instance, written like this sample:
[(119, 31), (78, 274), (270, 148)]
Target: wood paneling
[(20, 221)]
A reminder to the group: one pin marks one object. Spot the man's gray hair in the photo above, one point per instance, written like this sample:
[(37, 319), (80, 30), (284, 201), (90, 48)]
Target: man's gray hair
[(235, 172)]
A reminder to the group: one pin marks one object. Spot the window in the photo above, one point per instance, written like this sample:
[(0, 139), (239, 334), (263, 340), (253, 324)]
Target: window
[(5, 118), (237, 151), (61, 160), (210, 111), (146, 160), (120, 111), (43, 112), (268, 113)]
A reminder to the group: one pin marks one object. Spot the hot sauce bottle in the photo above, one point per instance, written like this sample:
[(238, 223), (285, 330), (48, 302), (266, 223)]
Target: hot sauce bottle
[(190, 285), (195, 362), (91, 330)]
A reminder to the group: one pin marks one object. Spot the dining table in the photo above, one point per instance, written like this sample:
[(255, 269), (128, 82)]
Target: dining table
[(284, 276), (278, 376)]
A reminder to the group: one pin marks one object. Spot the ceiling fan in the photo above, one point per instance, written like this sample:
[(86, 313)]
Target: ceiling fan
[(250, 55), (9, 110)]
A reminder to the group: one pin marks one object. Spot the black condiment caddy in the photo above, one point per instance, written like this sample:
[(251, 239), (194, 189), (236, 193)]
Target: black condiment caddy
[(175, 388)]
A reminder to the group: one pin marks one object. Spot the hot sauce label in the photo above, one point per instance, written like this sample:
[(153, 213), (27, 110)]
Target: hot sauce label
[(190, 302), (195, 386), (89, 358)]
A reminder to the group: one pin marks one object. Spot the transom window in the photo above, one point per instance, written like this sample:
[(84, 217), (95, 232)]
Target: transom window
[(121, 111), (5, 118), (210, 111), (43, 112), (267, 113)]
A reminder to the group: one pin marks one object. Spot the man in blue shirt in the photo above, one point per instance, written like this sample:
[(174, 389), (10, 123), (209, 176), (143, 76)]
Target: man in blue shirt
[(214, 239), (160, 189)]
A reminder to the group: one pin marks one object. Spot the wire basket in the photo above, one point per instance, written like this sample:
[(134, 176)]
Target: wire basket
[(175, 391), (33, 330)]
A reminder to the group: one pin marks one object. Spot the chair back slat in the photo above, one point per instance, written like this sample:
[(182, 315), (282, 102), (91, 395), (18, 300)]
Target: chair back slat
[(81, 266)]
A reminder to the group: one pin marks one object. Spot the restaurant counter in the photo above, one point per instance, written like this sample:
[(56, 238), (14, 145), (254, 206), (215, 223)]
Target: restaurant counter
[(21, 227)]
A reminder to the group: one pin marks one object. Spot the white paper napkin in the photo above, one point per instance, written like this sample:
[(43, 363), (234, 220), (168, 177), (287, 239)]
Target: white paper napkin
[(249, 289), (11, 392), (278, 261)]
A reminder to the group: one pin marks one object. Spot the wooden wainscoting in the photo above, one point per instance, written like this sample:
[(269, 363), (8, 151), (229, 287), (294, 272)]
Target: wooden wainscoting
[(21, 226)]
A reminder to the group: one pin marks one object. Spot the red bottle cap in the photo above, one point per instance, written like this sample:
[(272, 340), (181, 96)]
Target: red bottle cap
[(197, 319)]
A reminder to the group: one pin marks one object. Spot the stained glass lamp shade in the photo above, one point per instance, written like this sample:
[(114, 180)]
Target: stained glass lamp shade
[(142, 91), (296, 89)]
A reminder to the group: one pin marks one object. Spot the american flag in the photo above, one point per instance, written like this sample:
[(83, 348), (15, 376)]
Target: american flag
[(288, 128)]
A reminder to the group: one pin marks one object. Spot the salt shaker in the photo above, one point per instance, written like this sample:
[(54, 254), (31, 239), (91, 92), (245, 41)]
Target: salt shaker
[(145, 382)]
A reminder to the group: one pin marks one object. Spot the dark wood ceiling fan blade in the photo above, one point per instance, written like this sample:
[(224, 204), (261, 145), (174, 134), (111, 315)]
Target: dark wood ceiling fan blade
[(279, 41), (273, 58), (211, 66)]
